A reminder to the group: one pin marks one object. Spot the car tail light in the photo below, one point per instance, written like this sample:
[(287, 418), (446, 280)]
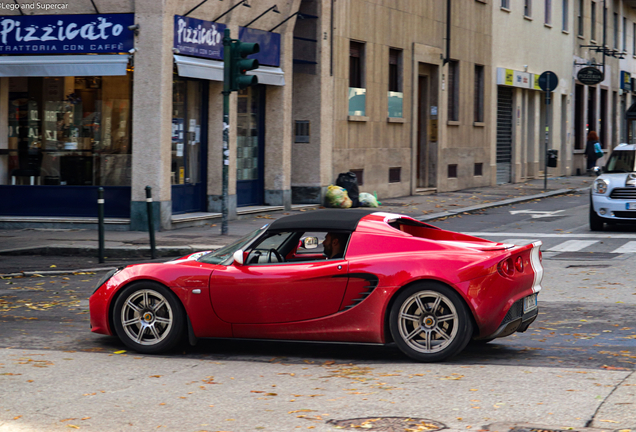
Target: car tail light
[(540, 256), (519, 264), (507, 267)]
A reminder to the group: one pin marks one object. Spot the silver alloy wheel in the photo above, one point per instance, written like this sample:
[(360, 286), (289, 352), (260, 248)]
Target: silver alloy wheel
[(428, 322), (146, 317)]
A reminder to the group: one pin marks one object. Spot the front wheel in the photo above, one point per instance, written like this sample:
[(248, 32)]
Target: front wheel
[(596, 222), (148, 318), (429, 322)]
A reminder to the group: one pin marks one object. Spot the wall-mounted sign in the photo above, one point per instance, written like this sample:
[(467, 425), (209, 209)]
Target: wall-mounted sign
[(66, 34), (514, 78), (199, 38), (590, 76), (269, 42), (626, 81)]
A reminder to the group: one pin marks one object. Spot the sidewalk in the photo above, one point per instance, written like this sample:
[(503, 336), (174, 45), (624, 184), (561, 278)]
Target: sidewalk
[(60, 249)]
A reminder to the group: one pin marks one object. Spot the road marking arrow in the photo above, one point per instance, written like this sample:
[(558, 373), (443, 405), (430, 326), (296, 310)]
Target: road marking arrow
[(537, 213)]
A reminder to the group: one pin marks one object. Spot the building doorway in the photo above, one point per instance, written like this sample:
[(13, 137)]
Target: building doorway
[(189, 145), (427, 127), (250, 147), (504, 134)]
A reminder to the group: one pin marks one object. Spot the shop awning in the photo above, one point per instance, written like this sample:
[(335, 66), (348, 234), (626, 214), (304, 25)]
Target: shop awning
[(193, 67), (63, 65)]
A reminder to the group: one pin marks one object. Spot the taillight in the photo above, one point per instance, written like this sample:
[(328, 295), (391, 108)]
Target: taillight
[(507, 267), (540, 256), (519, 264)]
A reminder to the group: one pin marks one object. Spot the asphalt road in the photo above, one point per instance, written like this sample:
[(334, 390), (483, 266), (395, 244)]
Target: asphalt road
[(584, 338)]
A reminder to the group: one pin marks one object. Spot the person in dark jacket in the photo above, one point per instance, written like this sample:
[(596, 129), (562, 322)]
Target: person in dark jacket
[(590, 150), (334, 245)]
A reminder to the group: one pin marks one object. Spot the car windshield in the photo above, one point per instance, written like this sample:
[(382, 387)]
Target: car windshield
[(223, 254), (620, 162)]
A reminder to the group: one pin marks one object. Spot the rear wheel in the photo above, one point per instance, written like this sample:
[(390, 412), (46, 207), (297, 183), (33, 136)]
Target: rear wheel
[(596, 222), (429, 322), (148, 318)]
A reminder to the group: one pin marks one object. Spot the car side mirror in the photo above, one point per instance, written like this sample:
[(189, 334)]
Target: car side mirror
[(238, 257), (309, 242), (597, 171)]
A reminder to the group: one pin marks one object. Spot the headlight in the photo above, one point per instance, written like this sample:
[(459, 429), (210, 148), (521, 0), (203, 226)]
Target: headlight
[(105, 278), (600, 186)]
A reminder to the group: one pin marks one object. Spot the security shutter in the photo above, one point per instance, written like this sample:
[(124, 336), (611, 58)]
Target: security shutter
[(504, 134)]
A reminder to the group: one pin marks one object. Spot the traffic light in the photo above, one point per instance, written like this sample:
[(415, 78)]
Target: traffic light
[(240, 64)]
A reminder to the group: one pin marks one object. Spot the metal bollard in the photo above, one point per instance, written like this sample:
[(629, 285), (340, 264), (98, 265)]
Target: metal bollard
[(100, 222), (151, 222)]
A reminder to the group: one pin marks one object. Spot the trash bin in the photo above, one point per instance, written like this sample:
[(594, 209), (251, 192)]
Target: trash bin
[(553, 157)]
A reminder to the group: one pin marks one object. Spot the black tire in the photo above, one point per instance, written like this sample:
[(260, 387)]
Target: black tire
[(148, 318), (442, 339), (596, 222)]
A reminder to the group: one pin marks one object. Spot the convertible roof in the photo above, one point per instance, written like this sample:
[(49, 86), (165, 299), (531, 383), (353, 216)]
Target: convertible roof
[(328, 220)]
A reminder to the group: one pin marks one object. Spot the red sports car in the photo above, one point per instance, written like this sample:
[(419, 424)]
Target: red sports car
[(386, 278)]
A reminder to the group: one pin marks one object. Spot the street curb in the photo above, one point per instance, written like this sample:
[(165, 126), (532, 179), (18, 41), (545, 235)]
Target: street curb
[(55, 272), (501, 203), (111, 252), (526, 427)]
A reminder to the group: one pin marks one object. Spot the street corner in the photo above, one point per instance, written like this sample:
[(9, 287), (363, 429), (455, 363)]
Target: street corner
[(531, 427)]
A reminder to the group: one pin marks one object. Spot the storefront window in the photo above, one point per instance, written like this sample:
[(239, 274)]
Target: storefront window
[(186, 131), (70, 131)]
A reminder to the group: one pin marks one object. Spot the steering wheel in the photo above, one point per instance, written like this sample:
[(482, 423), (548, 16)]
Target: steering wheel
[(274, 252)]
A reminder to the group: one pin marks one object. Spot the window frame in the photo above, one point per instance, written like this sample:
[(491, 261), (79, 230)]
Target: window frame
[(357, 51), (479, 93), (453, 90)]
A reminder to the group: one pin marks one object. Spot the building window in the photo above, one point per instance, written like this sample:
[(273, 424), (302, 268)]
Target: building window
[(452, 171), (505, 4), (359, 175), (548, 12), (634, 39), (453, 90), (565, 15), (395, 175), (479, 169), (302, 131), (70, 130), (395, 96), (579, 13), (593, 21), (615, 30), (527, 8), (479, 93), (624, 34), (356, 62), (395, 57)]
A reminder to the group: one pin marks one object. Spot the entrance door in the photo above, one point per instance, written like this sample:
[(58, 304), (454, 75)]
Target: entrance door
[(276, 293), (427, 127), (250, 147), (189, 145), (504, 134)]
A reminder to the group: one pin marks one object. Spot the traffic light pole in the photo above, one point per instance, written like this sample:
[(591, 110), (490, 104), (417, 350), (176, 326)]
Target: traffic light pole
[(227, 58)]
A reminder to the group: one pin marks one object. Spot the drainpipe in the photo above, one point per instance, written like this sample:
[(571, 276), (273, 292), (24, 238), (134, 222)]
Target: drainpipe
[(448, 32)]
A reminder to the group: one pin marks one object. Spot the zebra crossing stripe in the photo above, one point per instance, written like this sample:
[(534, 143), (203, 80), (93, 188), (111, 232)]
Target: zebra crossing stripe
[(628, 247), (572, 245)]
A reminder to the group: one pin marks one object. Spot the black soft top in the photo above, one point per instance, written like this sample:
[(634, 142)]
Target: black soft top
[(322, 220)]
